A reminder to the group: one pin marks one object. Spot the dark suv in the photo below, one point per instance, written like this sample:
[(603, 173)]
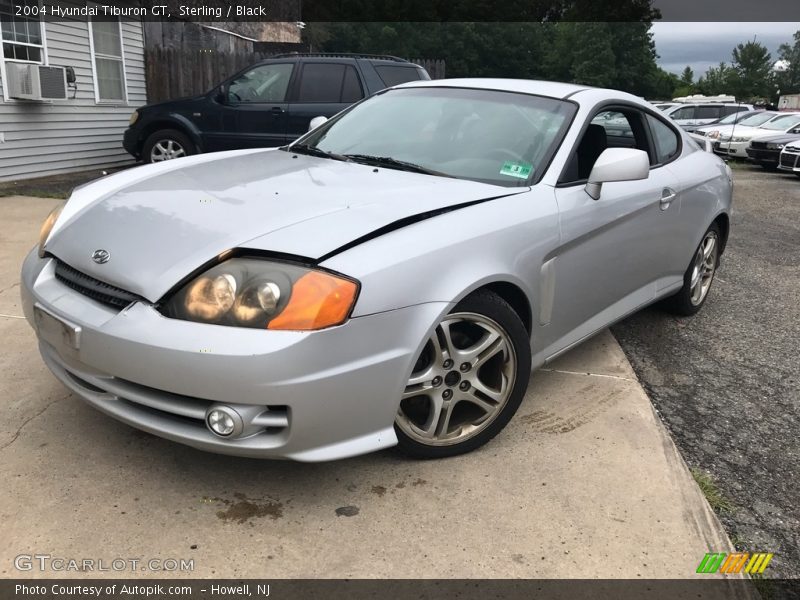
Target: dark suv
[(267, 104)]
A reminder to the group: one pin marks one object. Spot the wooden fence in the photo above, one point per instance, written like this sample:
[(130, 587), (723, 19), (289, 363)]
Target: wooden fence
[(174, 72)]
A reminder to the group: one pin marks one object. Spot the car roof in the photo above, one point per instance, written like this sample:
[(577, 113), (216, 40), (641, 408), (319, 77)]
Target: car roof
[(525, 86)]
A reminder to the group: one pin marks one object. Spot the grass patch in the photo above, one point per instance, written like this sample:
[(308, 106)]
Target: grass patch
[(719, 503), (54, 186)]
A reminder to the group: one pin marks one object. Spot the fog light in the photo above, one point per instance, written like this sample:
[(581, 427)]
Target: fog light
[(223, 421)]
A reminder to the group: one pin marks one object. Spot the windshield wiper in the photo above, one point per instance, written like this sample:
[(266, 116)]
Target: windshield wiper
[(314, 151), (393, 163)]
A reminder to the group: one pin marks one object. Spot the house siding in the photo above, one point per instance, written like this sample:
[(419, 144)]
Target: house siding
[(75, 134)]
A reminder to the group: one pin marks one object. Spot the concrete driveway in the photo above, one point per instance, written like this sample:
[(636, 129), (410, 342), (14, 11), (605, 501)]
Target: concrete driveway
[(583, 483)]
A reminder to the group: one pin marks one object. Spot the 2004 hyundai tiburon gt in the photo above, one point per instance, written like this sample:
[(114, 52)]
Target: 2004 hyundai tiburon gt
[(390, 278)]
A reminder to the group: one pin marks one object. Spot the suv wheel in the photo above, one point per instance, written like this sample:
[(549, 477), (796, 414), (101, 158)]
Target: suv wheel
[(167, 144)]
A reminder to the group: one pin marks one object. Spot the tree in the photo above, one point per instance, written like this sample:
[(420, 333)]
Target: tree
[(788, 81), (718, 80), (687, 77), (593, 59), (752, 64)]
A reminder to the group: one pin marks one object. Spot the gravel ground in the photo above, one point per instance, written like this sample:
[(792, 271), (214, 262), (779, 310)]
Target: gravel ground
[(727, 381)]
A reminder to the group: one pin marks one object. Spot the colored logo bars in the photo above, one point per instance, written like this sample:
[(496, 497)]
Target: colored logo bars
[(722, 562)]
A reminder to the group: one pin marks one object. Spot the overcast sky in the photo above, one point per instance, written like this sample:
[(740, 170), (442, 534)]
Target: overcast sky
[(704, 45)]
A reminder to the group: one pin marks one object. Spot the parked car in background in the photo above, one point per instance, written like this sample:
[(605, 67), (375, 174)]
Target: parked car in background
[(751, 119), (267, 104), (664, 105), (735, 142), (730, 119), (767, 151), (390, 278), (704, 113), (790, 158)]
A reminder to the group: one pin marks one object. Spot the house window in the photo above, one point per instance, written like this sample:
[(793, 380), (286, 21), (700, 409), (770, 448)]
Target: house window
[(108, 60), (21, 33)]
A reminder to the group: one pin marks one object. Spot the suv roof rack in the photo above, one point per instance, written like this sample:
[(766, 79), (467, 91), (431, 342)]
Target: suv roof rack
[(340, 55)]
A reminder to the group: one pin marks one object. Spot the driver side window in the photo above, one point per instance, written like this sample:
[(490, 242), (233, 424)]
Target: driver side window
[(263, 84), (608, 129)]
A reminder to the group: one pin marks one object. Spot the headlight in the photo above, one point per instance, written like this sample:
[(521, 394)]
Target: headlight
[(713, 134), (47, 227), (134, 118), (261, 294)]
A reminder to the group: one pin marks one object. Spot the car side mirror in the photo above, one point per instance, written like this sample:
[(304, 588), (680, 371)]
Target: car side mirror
[(221, 95), (316, 122), (617, 164)]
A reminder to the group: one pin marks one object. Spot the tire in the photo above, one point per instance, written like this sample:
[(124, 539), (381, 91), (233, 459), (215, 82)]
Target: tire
[(687, 301), (169, 143), (463, 393), (769, 166)]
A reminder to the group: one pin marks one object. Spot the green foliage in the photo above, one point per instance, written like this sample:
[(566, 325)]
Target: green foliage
[(788, 82), (616, 52), (618, 55)]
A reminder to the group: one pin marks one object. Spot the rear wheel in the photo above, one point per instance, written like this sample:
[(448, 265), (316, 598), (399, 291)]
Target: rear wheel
[(167, 144), (468, 381), (699, 276)]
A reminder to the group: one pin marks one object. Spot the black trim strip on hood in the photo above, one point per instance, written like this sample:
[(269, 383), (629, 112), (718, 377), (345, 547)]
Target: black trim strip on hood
[(405, 222)]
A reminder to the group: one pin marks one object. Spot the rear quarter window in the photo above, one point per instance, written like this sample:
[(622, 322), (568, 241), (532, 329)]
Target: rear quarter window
[(395, 74)]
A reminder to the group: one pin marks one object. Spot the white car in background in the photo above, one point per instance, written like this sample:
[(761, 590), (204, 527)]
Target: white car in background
[(703, 113), (790, 158), (735, 142), (753, 119)]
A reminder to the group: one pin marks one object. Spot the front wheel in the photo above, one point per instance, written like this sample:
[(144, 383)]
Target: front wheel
[(698, 277), (167, 144), (468, 381)]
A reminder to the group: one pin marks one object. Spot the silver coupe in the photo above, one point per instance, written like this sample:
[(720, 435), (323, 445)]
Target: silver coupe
[(391, 278)]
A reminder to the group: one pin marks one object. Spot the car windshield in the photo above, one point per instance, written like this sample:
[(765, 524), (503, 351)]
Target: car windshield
[(757, 119), (503, 138), (782, 122)]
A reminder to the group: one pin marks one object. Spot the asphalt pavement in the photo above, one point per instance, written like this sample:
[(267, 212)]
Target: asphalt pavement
[(727, 381)]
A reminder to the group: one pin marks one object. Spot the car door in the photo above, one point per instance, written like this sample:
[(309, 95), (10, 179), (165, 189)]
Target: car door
[(252, 109), (612, 250), (321, 90)]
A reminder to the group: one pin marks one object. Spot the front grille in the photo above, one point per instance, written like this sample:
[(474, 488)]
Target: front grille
[(94, 288), (758, 145), (788, 160)]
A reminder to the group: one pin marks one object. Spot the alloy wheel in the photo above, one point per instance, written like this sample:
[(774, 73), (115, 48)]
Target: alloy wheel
[(460, 383), (166, 150), (705, 265)]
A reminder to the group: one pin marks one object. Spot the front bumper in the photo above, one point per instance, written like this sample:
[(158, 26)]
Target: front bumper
[(790, 160), (734, 149), (763, 155), (130, 142), (315, 395)]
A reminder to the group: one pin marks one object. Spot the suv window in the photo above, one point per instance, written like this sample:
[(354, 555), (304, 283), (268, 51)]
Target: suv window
[(266, 83), (687, 112), (708, 112), (395, 75), (329, 83), (666, 140)]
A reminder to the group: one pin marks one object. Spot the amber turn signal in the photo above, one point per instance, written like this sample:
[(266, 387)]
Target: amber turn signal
[(318, 300)]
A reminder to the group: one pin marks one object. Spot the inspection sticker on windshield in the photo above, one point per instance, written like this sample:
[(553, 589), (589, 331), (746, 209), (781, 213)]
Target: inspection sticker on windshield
[(518, 170)]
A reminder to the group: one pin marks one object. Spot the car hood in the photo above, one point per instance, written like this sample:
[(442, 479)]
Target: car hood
[(162, 222), (781, 138)]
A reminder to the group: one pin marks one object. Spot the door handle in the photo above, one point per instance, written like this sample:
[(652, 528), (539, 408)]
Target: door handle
[(667, 196), (277, 110)]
